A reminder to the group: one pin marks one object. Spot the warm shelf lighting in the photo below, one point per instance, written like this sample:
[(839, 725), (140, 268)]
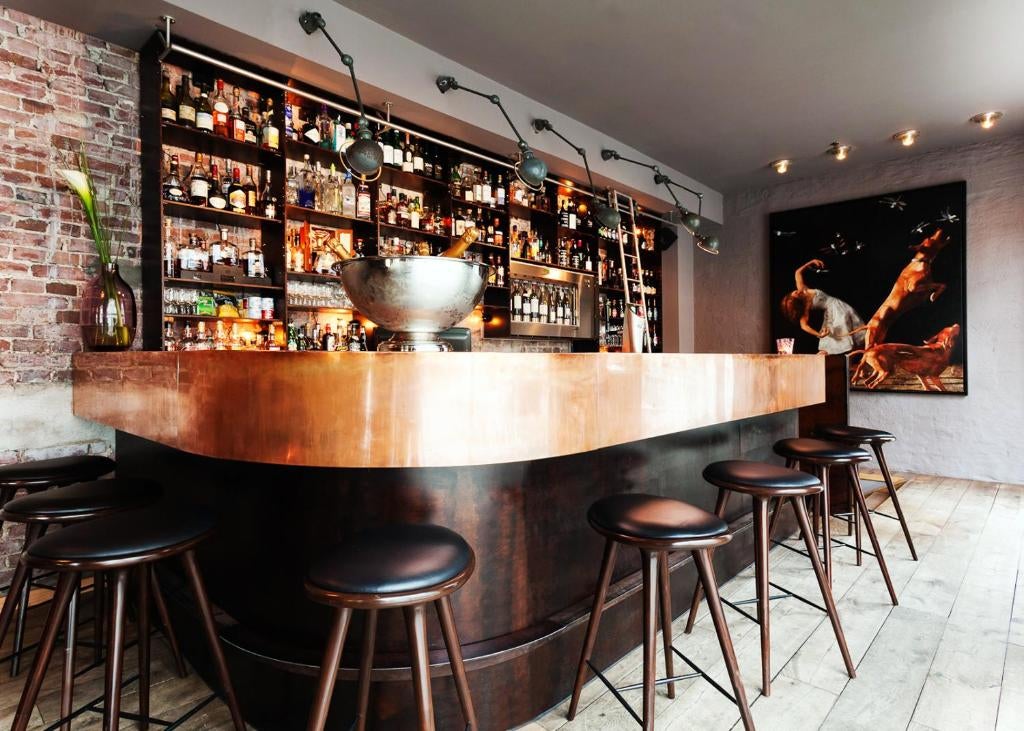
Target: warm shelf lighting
[(987, 120), (781, 166), (839, 152), (907, 137)]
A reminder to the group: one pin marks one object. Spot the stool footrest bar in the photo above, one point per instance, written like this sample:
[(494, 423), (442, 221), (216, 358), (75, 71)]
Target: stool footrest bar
[(615, 692), (742, 611), (847, 545), (704, 675), (806, 601), (884, 515)]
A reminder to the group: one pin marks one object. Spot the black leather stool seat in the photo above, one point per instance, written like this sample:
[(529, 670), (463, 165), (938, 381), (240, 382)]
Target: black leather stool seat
[(58, 471), (820, 450), (391, 560), (760, 478), (144, 534), (854, 434), (83, 498), (649, 517)]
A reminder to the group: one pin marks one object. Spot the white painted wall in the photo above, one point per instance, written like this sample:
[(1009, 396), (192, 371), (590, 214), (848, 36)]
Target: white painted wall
[(975, 436)]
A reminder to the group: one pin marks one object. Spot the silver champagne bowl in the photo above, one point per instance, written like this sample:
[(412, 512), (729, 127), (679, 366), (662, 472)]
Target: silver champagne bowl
[(415, 297)]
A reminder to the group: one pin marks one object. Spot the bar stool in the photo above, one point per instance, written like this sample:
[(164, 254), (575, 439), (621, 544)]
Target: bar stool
[(35, 476), (764, 483), (393, 566), (130, 540), (859, 436), (822, 456), (657, 525), (63, 506)]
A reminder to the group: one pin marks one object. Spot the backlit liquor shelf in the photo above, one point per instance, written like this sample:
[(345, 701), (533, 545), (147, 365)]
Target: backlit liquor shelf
[(233, 164)]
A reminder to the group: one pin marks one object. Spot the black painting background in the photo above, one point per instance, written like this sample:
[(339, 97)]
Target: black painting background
[(864, 278)]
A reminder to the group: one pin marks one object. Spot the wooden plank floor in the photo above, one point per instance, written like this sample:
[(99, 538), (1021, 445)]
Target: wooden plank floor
[(950, 656)]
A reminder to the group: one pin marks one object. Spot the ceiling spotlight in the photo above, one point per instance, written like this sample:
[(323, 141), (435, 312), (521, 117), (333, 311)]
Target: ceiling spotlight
[(839, 152), (987, 120), (781, 166), (907, 137)]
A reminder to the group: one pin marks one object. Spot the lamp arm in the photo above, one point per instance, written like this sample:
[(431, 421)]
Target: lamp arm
[(579, 151), (495, 100), (348, 61), (659, 177)]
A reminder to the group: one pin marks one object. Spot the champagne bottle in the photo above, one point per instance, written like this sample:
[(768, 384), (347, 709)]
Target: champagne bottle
[(456, 250)]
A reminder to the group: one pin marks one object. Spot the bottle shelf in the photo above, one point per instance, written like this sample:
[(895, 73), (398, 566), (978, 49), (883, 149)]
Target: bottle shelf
[(212, 145), (618, 290), (576, 232), (314, 276), (205, 279), (209, 318), (319, 308), (553, 266), (542, 211), (396, 177), (416, 231), (322, 218), (484, 206), (214, 215), (484, 244)]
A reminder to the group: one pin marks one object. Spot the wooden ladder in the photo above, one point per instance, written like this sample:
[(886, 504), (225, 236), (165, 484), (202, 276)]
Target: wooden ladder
[(636, 302)]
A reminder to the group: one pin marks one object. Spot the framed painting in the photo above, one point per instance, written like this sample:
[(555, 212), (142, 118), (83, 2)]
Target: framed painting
[(882, 279)]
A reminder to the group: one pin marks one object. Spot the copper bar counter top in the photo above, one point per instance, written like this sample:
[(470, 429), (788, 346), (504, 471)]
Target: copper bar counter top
[(296, 451), (427, 409)]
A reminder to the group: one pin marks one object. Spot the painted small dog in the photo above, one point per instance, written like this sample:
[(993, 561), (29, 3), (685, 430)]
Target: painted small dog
[(926, 362)]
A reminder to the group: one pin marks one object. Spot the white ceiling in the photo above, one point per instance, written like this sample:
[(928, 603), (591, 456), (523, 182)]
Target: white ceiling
[(718, 88)]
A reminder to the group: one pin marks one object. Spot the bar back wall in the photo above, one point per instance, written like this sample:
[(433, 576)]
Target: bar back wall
[(975, 436)]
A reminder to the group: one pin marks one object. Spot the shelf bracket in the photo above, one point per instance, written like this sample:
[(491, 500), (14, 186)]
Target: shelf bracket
[(166, 35)]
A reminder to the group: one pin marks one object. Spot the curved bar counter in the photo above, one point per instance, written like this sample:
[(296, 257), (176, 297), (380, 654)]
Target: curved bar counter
[(296, 450)]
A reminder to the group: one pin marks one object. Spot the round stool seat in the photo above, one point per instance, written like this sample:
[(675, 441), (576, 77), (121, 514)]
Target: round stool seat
[(820, 451), (129, 537), (761, 478), (58, 471), (82, 500), (393, 559), (653, 518), (854, 434)]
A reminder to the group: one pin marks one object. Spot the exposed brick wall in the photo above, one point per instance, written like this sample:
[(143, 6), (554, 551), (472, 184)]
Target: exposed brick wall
[(57, 87)]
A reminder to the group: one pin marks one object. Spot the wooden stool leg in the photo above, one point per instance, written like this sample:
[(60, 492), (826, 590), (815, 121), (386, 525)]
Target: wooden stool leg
[(99, 608), (19, 581), (329, 669), (866, 517), (216, 651), (665, 594), (763, 591), (854, 525), (416, 628), (707, 577), (649, 561), (826, 527), (165, 622), (115, 653), (451, 642), (366, 669), (880, 457), (604, 578), (823, 583), (67, 683), (698, 592), (143, 640), (58, 608), (776, 511), (32, 532)]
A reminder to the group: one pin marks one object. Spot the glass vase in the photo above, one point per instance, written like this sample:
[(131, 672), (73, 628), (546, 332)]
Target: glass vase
[(108, 311)]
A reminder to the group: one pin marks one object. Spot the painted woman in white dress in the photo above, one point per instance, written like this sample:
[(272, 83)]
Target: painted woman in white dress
[(838, 318)]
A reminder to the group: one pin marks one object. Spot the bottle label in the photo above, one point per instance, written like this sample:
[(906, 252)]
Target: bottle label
[(221, 107), (363, 205), (312, 135), (169, 114), (271, 138), (251, 200), (389, 155), (218, 201), (186, 113), (199, 188), (238, 130), (237, 200), (204, 120)]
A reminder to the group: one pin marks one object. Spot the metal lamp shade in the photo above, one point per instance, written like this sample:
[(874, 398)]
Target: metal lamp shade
[(531, 170), (364, 157), (607, 216), (708, 244), (691, 222)]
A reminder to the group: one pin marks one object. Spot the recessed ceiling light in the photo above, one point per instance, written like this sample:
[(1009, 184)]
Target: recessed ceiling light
[(839, 152), (780, 166), (987, 120), (907, 137)]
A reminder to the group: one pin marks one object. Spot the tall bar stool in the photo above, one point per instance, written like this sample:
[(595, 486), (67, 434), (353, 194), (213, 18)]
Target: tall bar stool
[(35, 476), (657, 525), (407, 566), (765, 483), (128, 541), (822, 456), (64, 506), (860, 436)]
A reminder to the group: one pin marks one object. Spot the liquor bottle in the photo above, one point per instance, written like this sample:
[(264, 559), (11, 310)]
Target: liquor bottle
[(364, 205), (291, 187), (428, 163), (414, 213), (534, 303), (186, 105), (270, 136), (486, 194), (289, 126), (499, 192), (253, 263), (455, 184), (563, 215), (251, 192), (407, 155), (236, 120), (221, 111), (228, 251), (327, 340), (499, 235), (387, 147), (198, 183), (237, 198), (251, 131), (348, 197), (204, 112), (417, 159), (310, 130), (170, 342), (325, 126), (340, 136), (172, 189), (217, 198), (307, 185), (501, 272), (267, 200), (478, 188), (168, 105), (517, 302), (170, 255), (572, 213)]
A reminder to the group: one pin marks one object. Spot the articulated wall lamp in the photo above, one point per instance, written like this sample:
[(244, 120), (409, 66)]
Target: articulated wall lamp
[(529, 169), (364, 157), (690, 220), (605, 214)]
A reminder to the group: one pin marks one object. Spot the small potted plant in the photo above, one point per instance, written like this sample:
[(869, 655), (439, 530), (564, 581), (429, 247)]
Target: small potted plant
[(108, 314)]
